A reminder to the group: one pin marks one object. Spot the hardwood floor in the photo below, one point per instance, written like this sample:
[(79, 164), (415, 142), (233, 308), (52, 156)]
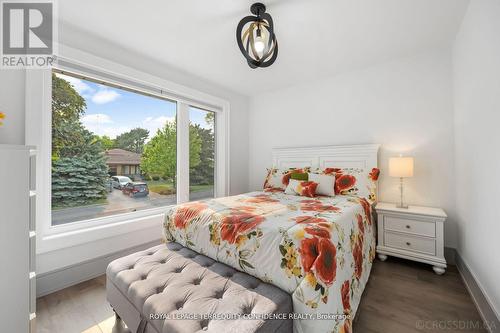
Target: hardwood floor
[(400, 297)]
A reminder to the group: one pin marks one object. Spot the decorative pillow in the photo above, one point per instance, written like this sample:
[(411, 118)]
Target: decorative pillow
[(297, 187), (326, 183), (279, 178), (355, 181), (300, 176)]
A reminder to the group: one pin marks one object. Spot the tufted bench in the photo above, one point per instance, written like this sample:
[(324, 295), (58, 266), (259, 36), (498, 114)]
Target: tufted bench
[(148, 288)]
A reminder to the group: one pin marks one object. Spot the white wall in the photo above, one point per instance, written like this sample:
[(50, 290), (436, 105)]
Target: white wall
[(12, 104), (405, 105), (476, 68)]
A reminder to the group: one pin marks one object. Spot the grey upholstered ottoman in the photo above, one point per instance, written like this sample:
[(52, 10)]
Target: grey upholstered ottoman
[(171, 289)]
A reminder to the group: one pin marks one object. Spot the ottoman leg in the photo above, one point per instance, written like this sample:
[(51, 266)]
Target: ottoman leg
[(117, 316), (119, 326)]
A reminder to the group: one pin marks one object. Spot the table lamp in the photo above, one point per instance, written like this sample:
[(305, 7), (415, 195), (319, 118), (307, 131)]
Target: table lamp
[(401, 167)]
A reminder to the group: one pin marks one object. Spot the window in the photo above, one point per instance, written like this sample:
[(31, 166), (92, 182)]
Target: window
[(114, 150), (89, 229), (202, 154)]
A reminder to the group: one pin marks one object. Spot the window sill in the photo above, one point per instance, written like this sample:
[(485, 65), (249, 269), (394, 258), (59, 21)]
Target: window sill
[(77, 233)]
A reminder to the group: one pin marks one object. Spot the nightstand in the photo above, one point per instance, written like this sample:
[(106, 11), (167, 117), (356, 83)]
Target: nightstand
[(415, 233)]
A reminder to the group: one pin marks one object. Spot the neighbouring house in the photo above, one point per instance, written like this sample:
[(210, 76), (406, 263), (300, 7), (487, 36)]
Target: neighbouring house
[(123, 163)]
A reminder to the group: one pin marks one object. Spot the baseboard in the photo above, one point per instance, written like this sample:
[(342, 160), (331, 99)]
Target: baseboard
[(486, 310), (449, 255), (68, 276)]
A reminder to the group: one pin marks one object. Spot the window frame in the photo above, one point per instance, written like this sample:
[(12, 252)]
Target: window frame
[(39, 129)]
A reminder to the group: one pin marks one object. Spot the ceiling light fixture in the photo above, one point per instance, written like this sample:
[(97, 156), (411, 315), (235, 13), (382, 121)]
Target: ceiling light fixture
[(256, 38)]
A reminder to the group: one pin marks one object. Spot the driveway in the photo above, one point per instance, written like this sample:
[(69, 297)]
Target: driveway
[(118, 203)]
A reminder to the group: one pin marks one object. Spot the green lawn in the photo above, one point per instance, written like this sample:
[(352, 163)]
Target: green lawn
[(165, 187), (160, 186), (199, 188)]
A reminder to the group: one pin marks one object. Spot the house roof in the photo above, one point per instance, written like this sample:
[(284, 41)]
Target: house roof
[(121, 156)]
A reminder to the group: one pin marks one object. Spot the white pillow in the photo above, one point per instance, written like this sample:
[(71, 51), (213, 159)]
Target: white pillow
[(326, 183), (292, 186)]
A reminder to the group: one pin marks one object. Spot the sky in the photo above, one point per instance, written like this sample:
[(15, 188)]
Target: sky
[(111, 111)]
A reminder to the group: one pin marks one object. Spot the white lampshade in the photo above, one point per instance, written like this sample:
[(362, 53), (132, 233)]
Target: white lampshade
[(401, 167)]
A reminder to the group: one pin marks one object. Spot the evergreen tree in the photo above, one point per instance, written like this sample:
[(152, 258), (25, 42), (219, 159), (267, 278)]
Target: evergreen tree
[(80, 179)]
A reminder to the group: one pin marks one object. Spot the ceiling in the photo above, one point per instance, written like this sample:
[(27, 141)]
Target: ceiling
[(317, 38)]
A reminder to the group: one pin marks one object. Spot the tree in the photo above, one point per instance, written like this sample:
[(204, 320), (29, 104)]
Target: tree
[(106, 142), (67, 107), (203, 173), (160, 153), (194, 147), (132, 140), (159, 157), (210, 118), (79, 179), (79, 170)]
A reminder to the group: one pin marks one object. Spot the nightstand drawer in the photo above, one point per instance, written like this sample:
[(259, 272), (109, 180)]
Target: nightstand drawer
[(410, 243), (410, 226)]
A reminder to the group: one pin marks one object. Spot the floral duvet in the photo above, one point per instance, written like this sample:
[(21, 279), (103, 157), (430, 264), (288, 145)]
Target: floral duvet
[(320, 250)]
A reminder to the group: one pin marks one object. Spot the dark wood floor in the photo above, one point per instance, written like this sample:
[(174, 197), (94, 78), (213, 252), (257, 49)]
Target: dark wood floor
[(401, 297)]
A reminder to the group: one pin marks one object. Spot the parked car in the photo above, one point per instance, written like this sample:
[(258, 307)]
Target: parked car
[(136, 189), (120, 181)]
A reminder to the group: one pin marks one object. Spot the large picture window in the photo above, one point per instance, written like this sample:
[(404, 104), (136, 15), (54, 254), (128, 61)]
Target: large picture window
[(114, 150)]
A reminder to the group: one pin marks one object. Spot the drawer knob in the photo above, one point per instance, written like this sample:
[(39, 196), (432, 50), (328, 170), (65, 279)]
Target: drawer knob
[(408, 243), (407, 227)]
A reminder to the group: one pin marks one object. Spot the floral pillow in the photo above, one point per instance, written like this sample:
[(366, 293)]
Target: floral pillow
[(355, 181), (303, 188), (279, 178)]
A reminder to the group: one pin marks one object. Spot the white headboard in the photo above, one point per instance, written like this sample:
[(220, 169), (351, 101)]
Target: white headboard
[(352, 156)]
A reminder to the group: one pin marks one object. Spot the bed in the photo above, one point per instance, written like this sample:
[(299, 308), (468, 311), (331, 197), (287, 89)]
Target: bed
[(319, 250)]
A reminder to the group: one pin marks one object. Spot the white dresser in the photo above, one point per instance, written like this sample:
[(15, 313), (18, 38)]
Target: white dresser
[(415, 233), (17, 238)]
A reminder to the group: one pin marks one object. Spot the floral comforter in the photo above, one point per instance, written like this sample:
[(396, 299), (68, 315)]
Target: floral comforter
[(320, 250)]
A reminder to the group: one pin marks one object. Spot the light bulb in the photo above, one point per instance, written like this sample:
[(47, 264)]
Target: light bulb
[(259, 44)]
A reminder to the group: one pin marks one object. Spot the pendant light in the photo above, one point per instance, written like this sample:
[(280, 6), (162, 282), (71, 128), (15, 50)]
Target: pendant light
[(256, 38)]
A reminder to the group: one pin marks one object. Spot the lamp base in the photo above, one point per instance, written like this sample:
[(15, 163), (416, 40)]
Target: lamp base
[(401, 203)]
